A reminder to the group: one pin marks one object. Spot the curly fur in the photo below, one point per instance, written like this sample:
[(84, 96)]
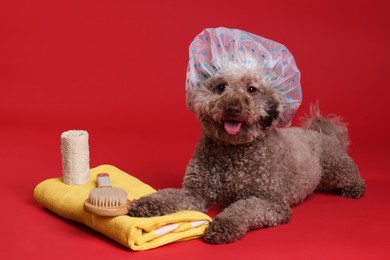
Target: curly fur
[(258, 172), (332, 125)]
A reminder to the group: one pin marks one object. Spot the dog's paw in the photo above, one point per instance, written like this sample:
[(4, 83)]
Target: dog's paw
[(354, 192), (147, 207), (224, 230)]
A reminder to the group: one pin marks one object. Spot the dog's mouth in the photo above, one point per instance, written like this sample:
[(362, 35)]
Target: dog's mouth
[(232, 127)]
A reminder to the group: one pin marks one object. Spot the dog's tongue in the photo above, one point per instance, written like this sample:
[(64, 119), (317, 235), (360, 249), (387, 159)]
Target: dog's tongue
[(232, 127)]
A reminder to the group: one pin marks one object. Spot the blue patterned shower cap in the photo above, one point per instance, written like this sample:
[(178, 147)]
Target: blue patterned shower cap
[(216, 48)]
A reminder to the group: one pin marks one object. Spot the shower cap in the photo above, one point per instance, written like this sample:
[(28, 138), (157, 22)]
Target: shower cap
[(215, 48)]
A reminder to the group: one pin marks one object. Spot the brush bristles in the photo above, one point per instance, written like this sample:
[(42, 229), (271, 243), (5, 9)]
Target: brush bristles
[(107, 197)]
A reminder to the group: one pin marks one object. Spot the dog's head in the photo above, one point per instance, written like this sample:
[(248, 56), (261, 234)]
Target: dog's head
[(234, 106)]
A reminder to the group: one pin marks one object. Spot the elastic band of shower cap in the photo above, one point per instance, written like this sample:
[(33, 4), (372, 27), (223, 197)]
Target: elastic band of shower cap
[(215, 48)]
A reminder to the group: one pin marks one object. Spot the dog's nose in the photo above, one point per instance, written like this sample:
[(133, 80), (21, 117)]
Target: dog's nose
[(234, 109)]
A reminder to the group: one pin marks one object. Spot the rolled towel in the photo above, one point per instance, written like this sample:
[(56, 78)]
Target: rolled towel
[(135, 233)]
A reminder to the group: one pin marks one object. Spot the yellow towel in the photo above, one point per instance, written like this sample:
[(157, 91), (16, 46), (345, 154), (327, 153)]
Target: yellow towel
[(135, 233)]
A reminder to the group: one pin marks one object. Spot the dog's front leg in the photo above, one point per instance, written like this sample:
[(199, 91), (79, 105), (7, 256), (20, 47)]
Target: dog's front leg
[(165, 202), (239, 217)]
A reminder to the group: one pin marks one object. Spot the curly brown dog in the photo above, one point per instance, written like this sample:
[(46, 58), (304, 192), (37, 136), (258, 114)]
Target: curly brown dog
[(250, 168)]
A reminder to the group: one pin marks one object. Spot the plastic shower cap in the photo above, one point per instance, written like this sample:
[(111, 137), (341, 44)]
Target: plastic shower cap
[(215, 48)]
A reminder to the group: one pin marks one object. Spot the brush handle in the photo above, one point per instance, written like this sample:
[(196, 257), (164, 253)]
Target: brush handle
[(103, 180)]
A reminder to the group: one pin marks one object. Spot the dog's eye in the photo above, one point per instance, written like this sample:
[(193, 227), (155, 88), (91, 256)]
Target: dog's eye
[(221, 88), (252, 89)]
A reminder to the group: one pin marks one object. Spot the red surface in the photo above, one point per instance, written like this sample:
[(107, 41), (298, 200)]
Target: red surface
[(117, 69)]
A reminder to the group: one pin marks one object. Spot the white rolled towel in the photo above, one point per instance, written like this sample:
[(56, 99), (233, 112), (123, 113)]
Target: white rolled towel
[(75, 157)]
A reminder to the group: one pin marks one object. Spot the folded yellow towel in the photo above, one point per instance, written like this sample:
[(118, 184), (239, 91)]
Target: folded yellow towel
[(135, 233)]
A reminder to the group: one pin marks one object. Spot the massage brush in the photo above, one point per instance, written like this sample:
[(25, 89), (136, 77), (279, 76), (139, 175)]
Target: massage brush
[(106, 200)]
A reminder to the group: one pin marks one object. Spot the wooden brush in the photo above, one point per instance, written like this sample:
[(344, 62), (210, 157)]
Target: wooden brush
[(106, 200)]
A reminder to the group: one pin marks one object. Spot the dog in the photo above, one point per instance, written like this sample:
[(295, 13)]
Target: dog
[(252, 169)]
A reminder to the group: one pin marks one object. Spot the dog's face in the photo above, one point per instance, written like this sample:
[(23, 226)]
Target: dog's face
[(234, 106)]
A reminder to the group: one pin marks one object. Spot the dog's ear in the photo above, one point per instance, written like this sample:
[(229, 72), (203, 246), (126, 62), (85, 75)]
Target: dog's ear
[(273, 110)]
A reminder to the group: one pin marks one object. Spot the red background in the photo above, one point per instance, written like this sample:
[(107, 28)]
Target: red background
[(117, 69)]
